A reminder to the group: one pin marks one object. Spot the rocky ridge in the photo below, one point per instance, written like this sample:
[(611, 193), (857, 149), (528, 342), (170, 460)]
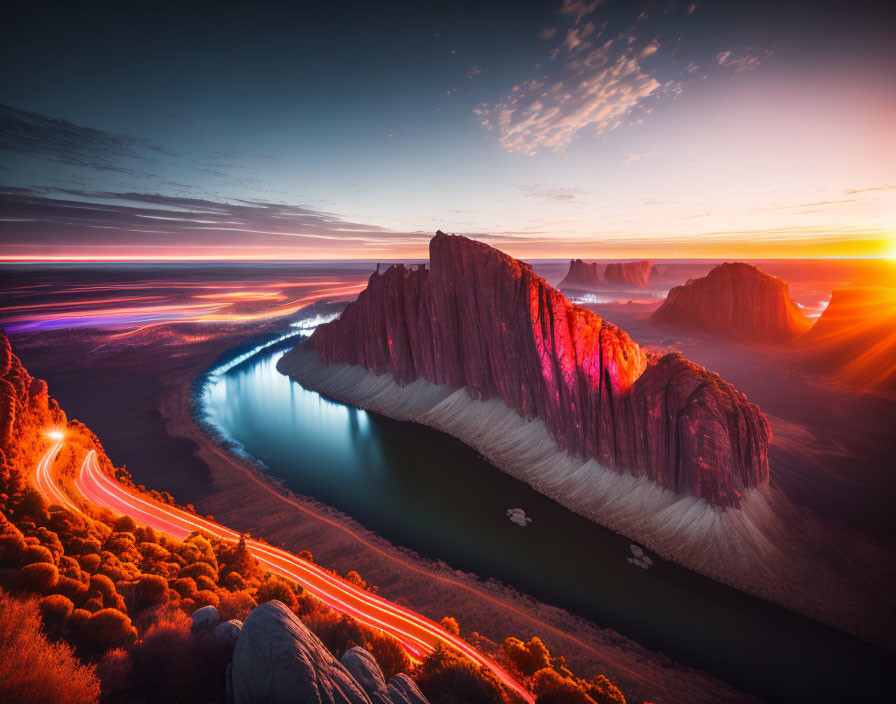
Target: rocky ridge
[(482, 320)]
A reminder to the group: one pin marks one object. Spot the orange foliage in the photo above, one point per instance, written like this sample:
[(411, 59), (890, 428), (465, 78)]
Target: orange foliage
[(34, 670)]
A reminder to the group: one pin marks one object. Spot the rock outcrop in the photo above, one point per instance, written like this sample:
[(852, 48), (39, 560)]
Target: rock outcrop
[(482, 320), (634, 274), (26, 408), (582, 276), (736, 301), (277, 660), (362, 666), (855, 338)]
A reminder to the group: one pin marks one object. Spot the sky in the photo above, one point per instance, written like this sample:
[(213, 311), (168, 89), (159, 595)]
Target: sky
[(572, 128)]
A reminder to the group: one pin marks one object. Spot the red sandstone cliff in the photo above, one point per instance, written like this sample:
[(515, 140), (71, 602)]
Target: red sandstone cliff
[(482, 320), (634, 274), (737, 301), (582, 276)]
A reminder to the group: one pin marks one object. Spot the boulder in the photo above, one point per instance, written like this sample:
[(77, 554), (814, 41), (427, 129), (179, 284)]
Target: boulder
[(228, 630), (366, 672), (205, 620), (403, 690), (277, 660)]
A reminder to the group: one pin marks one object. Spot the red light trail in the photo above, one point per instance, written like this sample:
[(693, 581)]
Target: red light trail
[(416, 633)]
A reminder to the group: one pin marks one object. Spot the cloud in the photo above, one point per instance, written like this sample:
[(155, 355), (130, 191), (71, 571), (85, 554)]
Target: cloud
[(595, 85), (744, 63), (562, 194), (473, 72), (853, 191), (634, 156), (58, 140), (71, 218)]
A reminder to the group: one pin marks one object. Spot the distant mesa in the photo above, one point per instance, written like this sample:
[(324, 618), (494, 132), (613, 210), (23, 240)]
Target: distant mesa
[(855, 338), (584, 276), (635, 274), (478, 332), (735, 301)]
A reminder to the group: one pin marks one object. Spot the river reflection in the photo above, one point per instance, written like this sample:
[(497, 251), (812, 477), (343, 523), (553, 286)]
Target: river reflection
[(421, 489)]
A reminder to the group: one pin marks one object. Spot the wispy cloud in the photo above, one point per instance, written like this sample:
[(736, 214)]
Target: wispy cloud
[(637, 156), (594, 84), (562, 194), (31, 219), (854, 191), (738, 64), (58, 140)]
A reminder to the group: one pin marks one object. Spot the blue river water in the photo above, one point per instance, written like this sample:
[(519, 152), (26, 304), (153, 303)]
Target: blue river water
[(426, 491)]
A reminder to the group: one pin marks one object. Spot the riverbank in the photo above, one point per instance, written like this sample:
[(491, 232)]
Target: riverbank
[(147, 422)]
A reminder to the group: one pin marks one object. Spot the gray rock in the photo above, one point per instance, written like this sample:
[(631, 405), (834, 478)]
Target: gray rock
[(229, 630), (363, 667), (228, 683), (277, 660), (403, 690), (205, 619)]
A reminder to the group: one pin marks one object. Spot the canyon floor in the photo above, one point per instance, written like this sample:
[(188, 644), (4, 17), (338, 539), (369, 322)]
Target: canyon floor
[(831, 453), (137, 397)]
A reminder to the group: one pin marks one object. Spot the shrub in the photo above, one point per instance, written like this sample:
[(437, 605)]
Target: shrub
[(169, 664), (236, 604), (185, 586), (446, 677), (274, 588), (528, 657), (551, 688), (450, 625), (389, 654), (601, 690), (125, 524), (150, 590), (39, 577), (37, 553), (197, 569), (34, 670), (55, 609), (106, 629)]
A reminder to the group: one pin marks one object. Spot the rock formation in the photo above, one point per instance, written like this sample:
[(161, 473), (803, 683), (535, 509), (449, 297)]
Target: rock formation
[(277, 660), (737, 301), (481, 320), (635, 274), (855, 338), (582, 276)]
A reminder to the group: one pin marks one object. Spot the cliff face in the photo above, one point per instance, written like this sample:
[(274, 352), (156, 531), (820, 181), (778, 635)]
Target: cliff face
[(582, 276), (634, 274), (484, 321), (26, 408), (737, 301)]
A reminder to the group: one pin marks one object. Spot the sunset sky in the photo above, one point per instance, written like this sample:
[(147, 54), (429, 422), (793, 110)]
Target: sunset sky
[(566, 128)]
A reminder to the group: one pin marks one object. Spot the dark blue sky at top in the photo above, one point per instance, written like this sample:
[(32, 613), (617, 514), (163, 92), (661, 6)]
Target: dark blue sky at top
[(314, 104)]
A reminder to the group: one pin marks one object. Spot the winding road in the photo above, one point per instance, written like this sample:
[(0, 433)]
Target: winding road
[(417, 634)]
